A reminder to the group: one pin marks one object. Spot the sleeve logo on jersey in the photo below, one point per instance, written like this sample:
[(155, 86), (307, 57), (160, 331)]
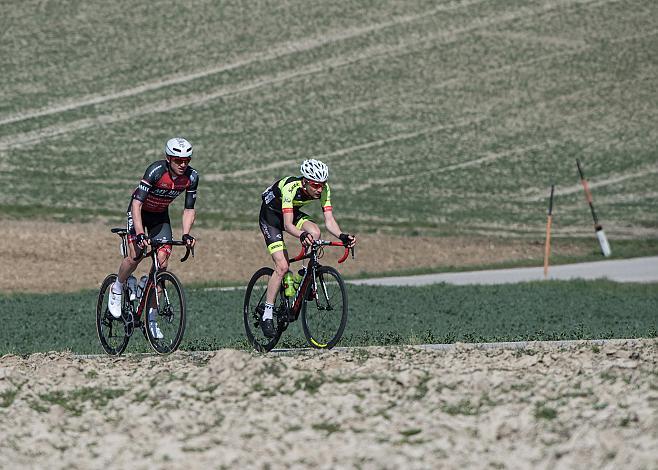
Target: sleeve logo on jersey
[(268, 196), (144, 187), (154, 170)]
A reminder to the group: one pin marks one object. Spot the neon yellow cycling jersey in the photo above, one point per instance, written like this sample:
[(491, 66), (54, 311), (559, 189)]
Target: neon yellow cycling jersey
[(286, 195)]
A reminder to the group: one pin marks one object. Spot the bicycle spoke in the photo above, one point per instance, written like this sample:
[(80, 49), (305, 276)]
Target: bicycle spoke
[(113, 338), (253, 309), (324, 320), (165, 329)]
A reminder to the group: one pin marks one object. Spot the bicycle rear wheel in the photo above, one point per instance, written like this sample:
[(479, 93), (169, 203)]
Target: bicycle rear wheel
[(111, 331), (254, 305), (324, 318), (171, 317)]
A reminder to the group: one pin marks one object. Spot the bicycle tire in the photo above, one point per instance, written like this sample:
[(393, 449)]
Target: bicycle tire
[(254, 300), (322, 329), (171, 316), (112, 343)]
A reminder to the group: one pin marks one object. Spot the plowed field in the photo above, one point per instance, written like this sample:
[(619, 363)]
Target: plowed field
[(585, 406)]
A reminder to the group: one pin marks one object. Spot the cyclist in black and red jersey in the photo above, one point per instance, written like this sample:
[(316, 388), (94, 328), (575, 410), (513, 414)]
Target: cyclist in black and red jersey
[(280, 211), (148, 210)]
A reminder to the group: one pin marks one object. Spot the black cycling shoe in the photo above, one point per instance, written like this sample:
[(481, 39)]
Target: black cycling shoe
[(268, 328)]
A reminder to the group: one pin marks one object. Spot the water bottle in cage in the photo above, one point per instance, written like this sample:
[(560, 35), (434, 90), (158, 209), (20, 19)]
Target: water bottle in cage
[(289, 288), (132, 287), (140, 287)]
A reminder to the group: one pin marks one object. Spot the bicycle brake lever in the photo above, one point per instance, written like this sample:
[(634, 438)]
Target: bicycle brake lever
[(352, 250)]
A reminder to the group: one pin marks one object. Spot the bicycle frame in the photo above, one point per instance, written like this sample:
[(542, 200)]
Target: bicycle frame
[(155, 269), (295, 304)]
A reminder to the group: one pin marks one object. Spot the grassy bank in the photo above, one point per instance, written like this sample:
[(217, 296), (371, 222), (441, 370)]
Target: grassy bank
[(378, 315)]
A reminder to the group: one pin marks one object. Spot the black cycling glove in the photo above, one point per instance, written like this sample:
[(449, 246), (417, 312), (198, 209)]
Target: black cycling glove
[(187, 238), (140, 238), (303, 236), (345, 238)]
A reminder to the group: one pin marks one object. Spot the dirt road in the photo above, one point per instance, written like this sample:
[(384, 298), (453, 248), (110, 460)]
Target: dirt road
[(65, 257)]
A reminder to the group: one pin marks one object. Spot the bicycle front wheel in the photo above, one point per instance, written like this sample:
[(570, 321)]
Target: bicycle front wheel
[(254, 306), (324, 318), (111, 331), (165, 327)]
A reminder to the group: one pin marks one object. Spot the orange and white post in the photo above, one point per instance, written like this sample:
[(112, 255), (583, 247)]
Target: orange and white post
[(598, 229), (549, 223)]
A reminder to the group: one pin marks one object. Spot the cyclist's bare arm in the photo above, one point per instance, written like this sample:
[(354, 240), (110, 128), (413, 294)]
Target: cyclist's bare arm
[(188, 221), (331, 223), (289, 226), (136, 209), (334, 229)]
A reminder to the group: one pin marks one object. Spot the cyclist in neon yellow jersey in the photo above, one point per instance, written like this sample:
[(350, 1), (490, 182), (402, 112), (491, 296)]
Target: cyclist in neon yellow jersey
[(281, 212)]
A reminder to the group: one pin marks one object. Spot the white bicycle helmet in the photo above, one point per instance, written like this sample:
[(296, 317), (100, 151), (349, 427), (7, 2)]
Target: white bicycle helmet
[(178, 147), (314, 170)]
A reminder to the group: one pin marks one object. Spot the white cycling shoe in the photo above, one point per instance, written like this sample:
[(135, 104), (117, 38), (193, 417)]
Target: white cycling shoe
[(155, 330), (114, 304)]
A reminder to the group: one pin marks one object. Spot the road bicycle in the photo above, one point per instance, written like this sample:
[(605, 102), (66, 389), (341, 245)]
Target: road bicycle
[(168, 298), (320, 297)]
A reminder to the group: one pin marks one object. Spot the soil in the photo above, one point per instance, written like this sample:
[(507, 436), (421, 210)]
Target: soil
[(67, 257), (582, 406)]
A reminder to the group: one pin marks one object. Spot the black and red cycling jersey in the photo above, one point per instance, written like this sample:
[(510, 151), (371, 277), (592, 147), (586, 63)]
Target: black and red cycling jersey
[(158, 189)]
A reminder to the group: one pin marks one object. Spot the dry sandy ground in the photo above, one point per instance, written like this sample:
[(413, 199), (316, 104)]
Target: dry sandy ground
[(51, 256), (582, 406)]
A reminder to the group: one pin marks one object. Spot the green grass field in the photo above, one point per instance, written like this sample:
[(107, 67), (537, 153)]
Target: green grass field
[(378, 316), (441, 117)]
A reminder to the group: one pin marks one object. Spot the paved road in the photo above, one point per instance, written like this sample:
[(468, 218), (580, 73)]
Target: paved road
[(625, 270)]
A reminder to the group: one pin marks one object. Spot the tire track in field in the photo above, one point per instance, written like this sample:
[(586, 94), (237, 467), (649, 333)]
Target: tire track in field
[(282, 50), (492, 156), (346, 150), (34, 137), (646, 170)]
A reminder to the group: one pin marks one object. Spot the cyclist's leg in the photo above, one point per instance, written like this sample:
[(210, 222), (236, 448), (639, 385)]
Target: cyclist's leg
[(280, 269), (128, 264), (126, 268), (271, 226), (162, 231), (310, 227)]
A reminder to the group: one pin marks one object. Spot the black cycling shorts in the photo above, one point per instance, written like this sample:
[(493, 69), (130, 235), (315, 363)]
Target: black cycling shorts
[(156, 224), (271, 224)]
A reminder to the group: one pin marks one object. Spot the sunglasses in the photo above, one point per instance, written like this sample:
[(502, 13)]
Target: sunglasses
[(179, 161), (315, 185)]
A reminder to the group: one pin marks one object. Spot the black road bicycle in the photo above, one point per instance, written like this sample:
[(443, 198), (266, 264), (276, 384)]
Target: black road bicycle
[(168, 298), (321, 298)]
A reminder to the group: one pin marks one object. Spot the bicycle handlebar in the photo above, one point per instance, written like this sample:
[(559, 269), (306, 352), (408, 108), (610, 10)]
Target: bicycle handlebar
[(155, 243), (122, 232), (318, 243)]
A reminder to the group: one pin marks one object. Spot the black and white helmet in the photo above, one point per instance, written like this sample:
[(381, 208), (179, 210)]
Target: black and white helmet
[(178, 147), (314, 170)]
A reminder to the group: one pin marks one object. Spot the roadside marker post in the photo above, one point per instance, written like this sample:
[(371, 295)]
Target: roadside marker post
[(598, 229), (549, 223)]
